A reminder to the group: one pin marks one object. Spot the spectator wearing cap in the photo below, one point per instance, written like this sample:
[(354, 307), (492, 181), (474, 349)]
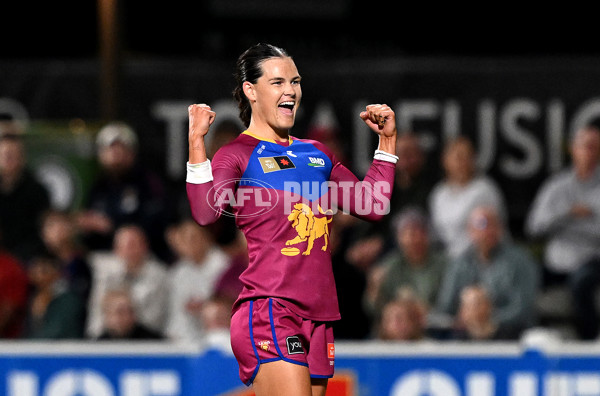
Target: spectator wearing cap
[(508, 274), (414, 265), (23, 200), (124, 192)]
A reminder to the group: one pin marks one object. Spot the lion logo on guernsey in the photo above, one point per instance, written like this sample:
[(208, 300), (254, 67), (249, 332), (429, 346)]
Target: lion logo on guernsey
[(308, 227)]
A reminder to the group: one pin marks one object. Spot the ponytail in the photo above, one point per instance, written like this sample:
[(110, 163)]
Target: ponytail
[(249, 68)]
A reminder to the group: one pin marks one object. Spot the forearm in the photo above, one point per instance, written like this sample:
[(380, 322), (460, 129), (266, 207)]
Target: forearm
[(197, 151), (387, 144)]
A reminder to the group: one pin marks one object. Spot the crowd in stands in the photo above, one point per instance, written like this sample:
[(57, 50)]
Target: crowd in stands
[(443, 265)]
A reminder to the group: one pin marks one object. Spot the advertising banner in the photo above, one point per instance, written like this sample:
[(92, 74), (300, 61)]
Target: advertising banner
[(365, 369)]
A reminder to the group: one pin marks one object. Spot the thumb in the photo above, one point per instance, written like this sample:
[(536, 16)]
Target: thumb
[(363, 115)]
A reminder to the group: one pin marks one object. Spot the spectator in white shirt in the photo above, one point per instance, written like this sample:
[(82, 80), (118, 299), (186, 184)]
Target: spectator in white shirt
[(193, 279), (461, 190), (130, 264), (566, 217), (566, 211)]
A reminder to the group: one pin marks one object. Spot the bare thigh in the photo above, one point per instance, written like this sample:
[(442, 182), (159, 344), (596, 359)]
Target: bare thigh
[(282, 378), (319, 386)]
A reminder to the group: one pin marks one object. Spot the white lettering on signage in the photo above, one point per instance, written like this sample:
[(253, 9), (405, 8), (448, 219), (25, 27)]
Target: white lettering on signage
[(438, 383), (85, 382), (507, 133)]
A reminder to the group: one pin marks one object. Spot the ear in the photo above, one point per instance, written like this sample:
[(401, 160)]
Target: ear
[(248, 88)]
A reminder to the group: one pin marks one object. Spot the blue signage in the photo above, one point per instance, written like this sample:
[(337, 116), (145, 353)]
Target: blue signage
[(365, 369)]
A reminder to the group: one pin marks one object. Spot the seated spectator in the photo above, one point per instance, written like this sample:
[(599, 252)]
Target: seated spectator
[(193, 279), (216, 318), (403, 319), (55, 312), (414, 264), (124, 192), (130, 265), (13, 295), (508, 273), (10, 126), (475, 316), (120, 319), (566, 217), (59, 234), (23, 200), (565, 212), (462, 189)]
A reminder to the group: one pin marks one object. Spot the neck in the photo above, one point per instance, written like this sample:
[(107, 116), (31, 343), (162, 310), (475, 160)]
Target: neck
[(65, 251), (8, 182), (268, 133), (485, 253), (483, 331), (133, 268), (199, 257), (416, 259), (584, 173)]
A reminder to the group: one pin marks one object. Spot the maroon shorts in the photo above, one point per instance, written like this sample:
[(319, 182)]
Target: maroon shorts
[(265, 331)]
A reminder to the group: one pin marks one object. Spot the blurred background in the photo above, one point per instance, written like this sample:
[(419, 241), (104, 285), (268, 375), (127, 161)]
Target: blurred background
[(515, 79), (505, 72)]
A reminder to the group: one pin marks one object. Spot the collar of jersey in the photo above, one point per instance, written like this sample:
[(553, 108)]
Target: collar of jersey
[(246, 132)]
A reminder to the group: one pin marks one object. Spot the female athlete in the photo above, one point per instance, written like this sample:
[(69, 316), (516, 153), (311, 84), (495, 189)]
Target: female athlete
[(283, 191)]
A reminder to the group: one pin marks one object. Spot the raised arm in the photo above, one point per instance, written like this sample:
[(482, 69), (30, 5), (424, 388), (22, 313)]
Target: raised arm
[(204, 185), (369, 199)]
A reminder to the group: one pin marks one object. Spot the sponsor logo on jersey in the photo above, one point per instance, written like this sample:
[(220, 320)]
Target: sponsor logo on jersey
[(330, 350), (272, 164), (315, 161), (294, 346)]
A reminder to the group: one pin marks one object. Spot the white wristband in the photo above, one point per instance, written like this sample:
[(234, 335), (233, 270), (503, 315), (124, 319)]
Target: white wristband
[(384, 156), (199, 173)]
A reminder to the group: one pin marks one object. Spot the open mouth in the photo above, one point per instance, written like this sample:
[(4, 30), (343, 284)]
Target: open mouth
[(287, 107)]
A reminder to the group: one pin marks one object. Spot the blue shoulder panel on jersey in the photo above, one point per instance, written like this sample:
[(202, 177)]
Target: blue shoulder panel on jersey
[(300, 168)]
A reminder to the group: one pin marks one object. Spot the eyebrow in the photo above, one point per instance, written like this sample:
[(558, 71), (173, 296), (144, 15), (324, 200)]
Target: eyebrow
[(298, 77)]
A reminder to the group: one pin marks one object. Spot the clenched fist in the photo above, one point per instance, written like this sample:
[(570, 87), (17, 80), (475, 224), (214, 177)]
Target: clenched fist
[(381, 119), (201, 118)]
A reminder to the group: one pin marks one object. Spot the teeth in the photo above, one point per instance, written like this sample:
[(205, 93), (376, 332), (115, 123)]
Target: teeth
[(286, 104)]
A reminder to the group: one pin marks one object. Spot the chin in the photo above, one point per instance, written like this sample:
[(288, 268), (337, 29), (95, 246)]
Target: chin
[(286, 125)]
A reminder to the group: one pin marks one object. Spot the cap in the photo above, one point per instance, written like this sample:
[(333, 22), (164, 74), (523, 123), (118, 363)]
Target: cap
[(116, 132)]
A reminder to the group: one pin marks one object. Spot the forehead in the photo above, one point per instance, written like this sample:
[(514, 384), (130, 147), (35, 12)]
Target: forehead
[(586, 136), (460, 146), (279, 68)]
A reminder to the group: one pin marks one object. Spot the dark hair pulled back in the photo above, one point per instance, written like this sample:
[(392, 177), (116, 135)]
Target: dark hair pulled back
[(249, 68)]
